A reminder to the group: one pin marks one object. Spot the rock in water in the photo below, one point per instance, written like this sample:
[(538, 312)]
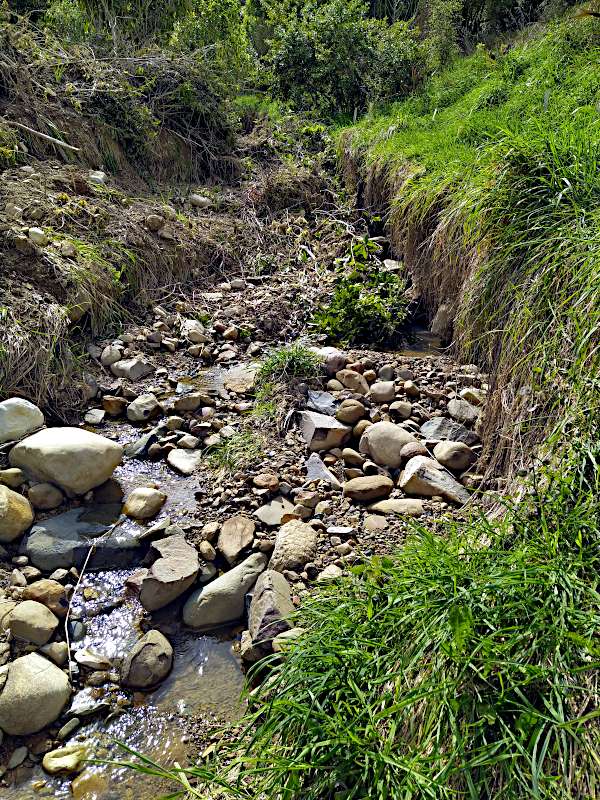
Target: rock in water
[(149, 662), (65, 760), (270, 609), (144, 503), (64, 541), (222, 601), (169, 576), (371, 487), (32, 695), (322, 432), (72, 458), (16, 514), (18, 417), (420, 477), (383, 443), (295, 546)]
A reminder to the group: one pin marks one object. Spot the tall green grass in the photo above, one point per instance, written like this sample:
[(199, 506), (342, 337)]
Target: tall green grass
[(493, 169), (464, 667)]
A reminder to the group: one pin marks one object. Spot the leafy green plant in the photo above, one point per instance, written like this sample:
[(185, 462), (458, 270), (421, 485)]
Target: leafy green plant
[(369, 305)]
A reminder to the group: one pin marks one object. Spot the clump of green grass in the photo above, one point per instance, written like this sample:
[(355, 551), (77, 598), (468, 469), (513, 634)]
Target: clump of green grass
[(450, 670), (238, 452), (283, 364)]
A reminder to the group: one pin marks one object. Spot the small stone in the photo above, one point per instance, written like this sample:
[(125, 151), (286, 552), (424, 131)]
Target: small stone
[(16, 514), (37, 237), (402, 507), (464, 412), (353, 380), (132, 368), (421, 477), (383, 392), (18, 418), (143, 408), (114, 406), (373, 523), (200, 201), (411, 389), (185, 461), (144, 503), (273, 513), (322, 432), (12, 477), (17, 757), (32, 622), (295, 546), (45, 496), (350, 411), (95, 416), (49, 593), (401, 410), (266, 480), (369, 488), (456, 456), (149, 662), (65, 760)]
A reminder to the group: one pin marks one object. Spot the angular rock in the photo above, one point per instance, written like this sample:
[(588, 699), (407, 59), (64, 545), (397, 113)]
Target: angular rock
[(94, 416), (149, 662), (33, 692), (383, 443), (193, 331), (321, 402), (462, 411), (317, 471), (64, 541), (185, 461), (321, 432), (240, 379), (18, 418), (143, 408), (32, 622), (132, 368), (273, 513), (295, 546), (223, 600), (144, 503), (171, 575), (237, 533), (421, 478), (72, 458), (16, 514), (371, 487), (456, 456), (353, 380), (405, 507), (440, 428), (476, 397), (270, 609), (140, 447)]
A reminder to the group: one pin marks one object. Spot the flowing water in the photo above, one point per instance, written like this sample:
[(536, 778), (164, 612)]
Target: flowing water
[(202, 690)]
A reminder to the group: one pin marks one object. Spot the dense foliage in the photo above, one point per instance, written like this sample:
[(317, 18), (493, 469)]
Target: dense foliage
[(369, 304)]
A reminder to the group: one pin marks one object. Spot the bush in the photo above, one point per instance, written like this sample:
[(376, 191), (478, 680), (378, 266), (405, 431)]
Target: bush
[(332, 59), (369, 306)]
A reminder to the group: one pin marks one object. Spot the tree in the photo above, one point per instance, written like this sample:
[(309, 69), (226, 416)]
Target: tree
[(134, 21)]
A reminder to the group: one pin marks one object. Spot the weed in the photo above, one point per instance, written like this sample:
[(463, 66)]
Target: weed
[(286, 363), (238, 452), (369, 306)]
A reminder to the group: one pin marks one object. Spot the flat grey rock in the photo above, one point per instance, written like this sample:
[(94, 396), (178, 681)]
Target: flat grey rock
[(439, 429), (322, 402), (64, 541)]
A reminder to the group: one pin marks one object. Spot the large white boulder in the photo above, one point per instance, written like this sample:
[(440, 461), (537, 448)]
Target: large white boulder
[(223, 600), (33, 692), (16, 514), (72, 458), (383, 443), (18, 417)]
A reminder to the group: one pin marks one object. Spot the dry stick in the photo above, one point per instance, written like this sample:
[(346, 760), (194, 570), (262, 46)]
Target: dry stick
[(41, 135), (106, 535)]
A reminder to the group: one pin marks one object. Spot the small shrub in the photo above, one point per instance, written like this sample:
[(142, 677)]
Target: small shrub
[(369, 306), (8, 148)]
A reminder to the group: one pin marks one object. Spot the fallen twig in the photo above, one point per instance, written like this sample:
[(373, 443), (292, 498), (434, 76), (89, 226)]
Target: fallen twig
[(41, 135)]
